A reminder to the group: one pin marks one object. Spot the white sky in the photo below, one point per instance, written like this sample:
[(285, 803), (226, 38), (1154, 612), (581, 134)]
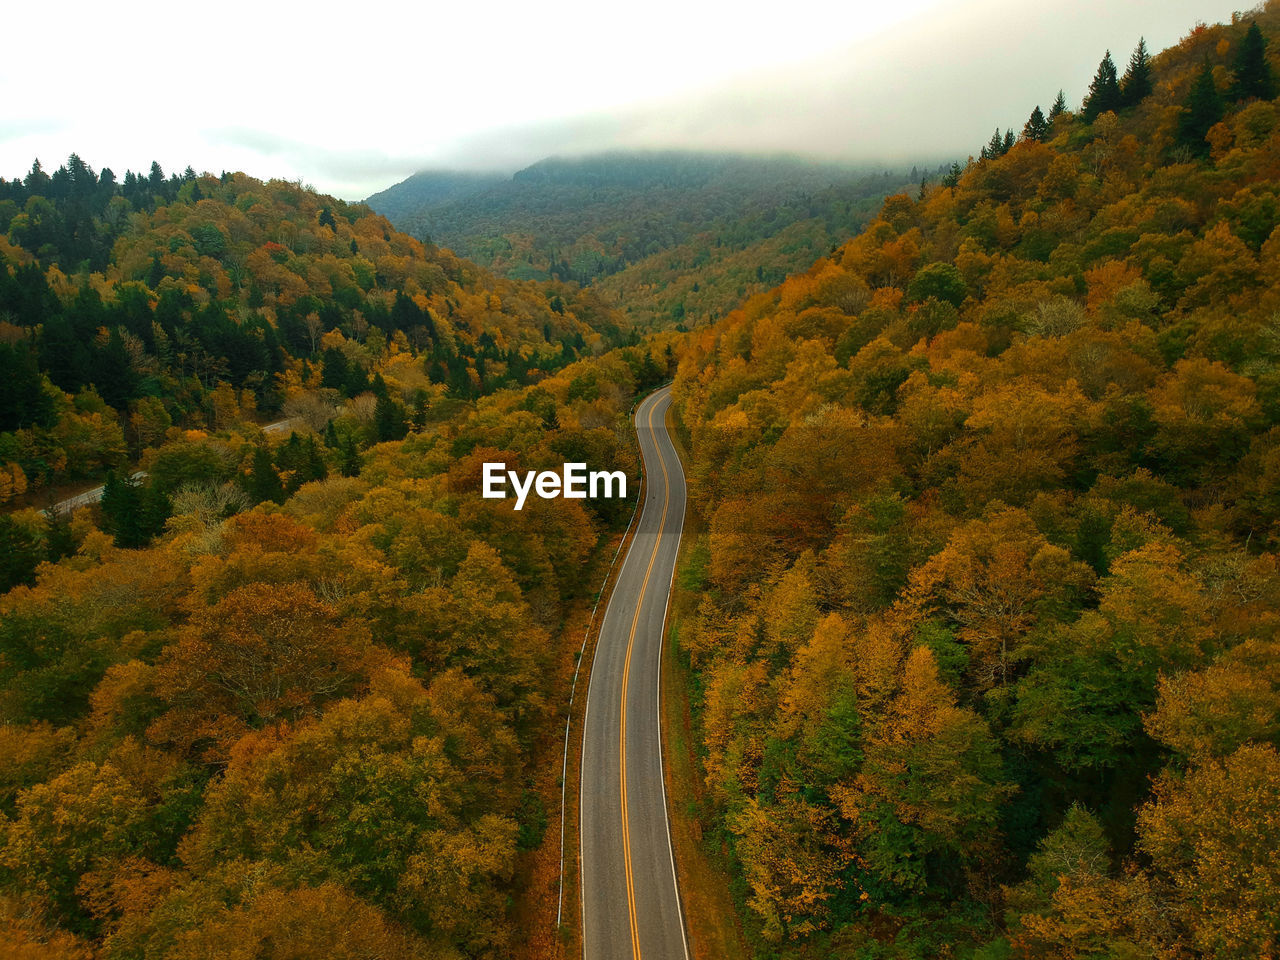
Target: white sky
[(353, 98)]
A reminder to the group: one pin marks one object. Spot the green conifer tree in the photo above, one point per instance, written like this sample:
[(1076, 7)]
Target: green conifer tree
[(994, 147), (1104, 91), (1137, 85), (1036, 128), (1251, 73), (388, 419), (1059, 107), (1200, 111), (349, 459), (264, 483), (131, 512), (951, 179)]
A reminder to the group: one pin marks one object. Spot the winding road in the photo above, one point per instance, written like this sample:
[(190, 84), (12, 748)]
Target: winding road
[(630, 899)]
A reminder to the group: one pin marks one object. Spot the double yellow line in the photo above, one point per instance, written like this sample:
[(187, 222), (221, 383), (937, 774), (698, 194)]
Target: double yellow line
[(626, 674)]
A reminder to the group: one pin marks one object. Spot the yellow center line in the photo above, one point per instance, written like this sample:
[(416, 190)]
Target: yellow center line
[(626, 673)]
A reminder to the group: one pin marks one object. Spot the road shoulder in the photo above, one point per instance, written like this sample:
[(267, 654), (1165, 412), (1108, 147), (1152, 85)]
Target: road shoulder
[(711, 916)]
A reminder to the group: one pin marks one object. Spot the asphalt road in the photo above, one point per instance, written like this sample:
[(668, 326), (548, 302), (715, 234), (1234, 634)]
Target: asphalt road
[(630, 901)]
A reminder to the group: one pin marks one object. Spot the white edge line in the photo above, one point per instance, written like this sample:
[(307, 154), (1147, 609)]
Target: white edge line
[(582, 895)]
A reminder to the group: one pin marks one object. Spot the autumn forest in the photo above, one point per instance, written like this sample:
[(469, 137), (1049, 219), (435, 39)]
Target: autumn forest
[(974, 641)]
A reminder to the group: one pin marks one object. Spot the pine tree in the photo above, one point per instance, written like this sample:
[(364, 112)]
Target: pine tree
[(23, 400), (1104, 91), (951, 179), (336, 373), (119, 505), (994, 147), (156, 509), (315, 468), (1009, 141), (1059, 107), (421, 403), (264, 483), (132, 513), (21, 551), (388, 419), (1200, 111), (349, 459), (1037, 127), (1136, 85), (1251, 73)]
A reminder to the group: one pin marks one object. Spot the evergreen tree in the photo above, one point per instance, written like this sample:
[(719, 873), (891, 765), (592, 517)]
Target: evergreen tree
[(349, 459), (1037, 127), (388, 419), (1200, 111), (23, 401), (421, 402), (300, 457), (37, 181), (335, 374), (114, 375), (264, 483), (1251, 73), (1059, 107), (1104, 91), (156, 273), (994, 147), (1009, 141), (131, 512), (20, 553), (313, 468), (1136, 85), (951, 178)]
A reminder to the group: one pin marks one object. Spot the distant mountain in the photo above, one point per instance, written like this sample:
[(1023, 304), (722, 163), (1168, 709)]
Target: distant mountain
[(591, 218), (431, 188)]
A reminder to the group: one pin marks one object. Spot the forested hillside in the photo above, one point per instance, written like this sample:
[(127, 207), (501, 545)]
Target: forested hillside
[(321, 726), (987, 590), (139, 317), (429, 189), (667, 238)]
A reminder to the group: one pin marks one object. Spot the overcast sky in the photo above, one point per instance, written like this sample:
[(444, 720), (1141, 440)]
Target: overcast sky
[(354, 97)]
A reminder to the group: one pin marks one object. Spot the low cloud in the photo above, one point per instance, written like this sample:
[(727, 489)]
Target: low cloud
[(499, 87), (929, 90)]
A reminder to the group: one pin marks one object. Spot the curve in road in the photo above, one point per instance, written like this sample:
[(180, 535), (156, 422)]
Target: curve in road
[(630, 897)]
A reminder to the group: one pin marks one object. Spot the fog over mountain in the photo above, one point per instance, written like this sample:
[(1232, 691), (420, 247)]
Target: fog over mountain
[(500, 87)]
